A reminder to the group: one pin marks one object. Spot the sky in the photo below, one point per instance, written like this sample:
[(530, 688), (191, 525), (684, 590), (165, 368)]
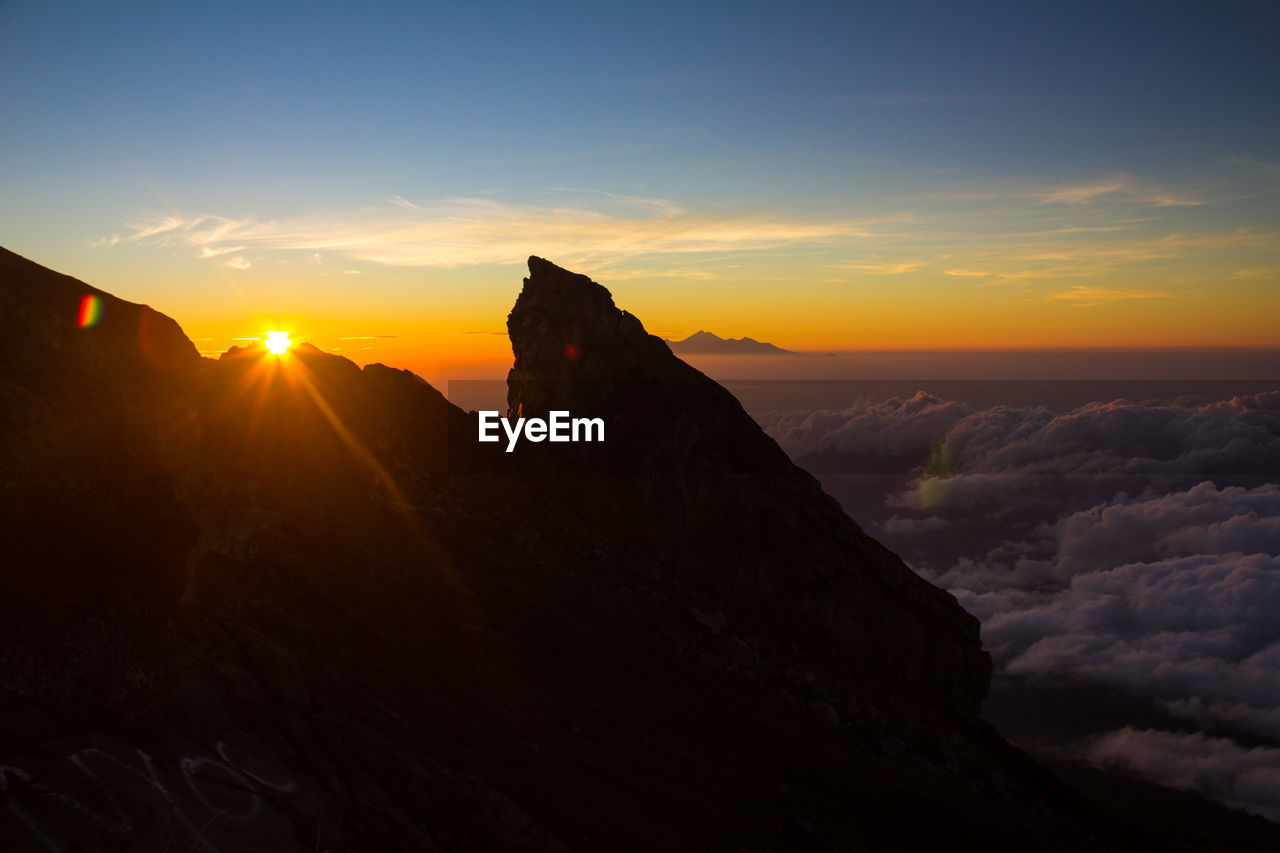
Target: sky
[(843, 176)]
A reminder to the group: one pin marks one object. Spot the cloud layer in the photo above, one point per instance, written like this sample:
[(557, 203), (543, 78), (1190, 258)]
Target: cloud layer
[(1249, 778), (1130, 545), (466, 231)]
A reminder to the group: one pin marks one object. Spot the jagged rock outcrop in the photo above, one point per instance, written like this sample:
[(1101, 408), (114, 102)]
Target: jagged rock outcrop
[(758, 533)]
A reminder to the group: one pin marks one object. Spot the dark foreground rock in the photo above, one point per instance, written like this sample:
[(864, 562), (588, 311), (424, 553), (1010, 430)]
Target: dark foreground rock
[(274, 604), (744, 525)]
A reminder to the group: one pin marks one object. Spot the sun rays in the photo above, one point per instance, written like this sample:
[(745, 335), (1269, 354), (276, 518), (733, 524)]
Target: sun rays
[(271, 381), (277, 342)]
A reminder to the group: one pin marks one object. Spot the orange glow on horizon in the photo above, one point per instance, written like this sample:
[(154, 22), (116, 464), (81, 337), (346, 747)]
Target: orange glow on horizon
[(465, 337)]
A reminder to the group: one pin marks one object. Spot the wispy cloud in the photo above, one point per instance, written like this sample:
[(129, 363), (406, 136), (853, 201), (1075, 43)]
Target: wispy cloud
[(163, 225), (1085, 296), (1080, 193), (624, 274), (215, 251), (661, 205), (1041, 256), (467, 231), (239, 263), (882, 268), (1124, 186), (1119, 188), (1093, 229), (910, 99), (1271, 168)]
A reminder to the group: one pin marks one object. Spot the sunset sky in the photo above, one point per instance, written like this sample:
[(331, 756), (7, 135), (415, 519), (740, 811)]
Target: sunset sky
[(831, 176)]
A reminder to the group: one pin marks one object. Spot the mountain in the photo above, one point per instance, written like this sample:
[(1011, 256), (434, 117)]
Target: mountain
[(706, 343), (292, 604), (751, 528)]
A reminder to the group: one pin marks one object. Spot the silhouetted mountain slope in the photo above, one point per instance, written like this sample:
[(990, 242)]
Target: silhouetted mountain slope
[(40, 335), (759, 532), (291, 604), (87, 513), (708, 343)]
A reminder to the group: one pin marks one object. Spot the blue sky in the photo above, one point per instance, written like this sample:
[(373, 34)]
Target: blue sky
[(867, 137), (325, 100)]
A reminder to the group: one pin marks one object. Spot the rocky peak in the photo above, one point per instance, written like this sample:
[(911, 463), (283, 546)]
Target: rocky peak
[(565, 329), (756, 533)]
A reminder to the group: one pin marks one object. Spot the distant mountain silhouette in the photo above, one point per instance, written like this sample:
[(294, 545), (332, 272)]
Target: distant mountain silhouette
[(706, 343), (287, 604)]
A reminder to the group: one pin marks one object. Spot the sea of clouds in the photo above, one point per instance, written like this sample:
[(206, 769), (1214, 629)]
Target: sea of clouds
[(1129, 545)]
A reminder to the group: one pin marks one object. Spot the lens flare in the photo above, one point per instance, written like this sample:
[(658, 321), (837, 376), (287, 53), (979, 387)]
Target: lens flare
[(90, 311), (278, 342)]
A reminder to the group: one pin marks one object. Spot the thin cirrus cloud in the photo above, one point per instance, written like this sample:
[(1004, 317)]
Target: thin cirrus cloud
[(216, 251), (470, 231), (1021, 259), (1114, 188), (686, 272), (1084, 296), (1124, 187), (660, 204), (918, 99), (882, 268)]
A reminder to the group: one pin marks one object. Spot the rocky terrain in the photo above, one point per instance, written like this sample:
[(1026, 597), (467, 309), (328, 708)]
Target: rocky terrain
[(289, 603)]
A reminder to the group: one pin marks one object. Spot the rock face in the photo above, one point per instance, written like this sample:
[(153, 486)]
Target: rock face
[(755, 532), (253, 604)]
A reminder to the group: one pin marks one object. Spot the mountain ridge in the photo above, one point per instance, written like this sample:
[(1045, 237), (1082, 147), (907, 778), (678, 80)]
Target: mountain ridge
[(708, 343)]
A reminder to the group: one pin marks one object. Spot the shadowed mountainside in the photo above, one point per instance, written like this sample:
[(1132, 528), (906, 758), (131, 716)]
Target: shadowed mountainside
[(290, 603), (756, 531)]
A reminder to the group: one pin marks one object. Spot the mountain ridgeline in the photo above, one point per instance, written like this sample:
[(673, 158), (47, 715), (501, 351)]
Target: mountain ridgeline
[(708, 343), (261, 603)]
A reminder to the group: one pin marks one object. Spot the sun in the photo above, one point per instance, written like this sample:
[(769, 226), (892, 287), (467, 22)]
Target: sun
[(278, 342)]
